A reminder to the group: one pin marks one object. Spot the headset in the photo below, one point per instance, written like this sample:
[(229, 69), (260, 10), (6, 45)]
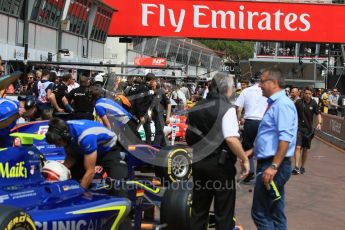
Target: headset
[(63, 134)]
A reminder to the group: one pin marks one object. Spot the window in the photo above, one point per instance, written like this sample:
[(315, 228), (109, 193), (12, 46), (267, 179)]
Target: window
[(101, 24), (286, 49), (161, 48), (267, 48), (12, 7), (173, 52), (78, 13), (48, 12), (307, 49), (194, 58), (137, 44)]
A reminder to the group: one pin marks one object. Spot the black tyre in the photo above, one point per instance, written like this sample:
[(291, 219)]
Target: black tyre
[(178, 165), (176, 206), (15, 219)]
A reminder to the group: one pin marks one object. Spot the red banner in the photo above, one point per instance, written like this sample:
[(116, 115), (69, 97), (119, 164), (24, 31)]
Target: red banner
[(229, 20), (160, 62)]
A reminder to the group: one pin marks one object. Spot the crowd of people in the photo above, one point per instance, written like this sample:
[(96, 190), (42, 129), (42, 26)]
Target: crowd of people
[(328, 100), (278, 124)]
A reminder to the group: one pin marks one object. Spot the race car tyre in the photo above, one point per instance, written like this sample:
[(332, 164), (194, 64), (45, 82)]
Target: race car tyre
[(15, 219), (176, 206), (178, 163)]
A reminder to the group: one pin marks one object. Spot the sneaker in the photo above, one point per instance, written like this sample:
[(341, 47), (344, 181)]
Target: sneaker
[(296, 171), (302, 170), (249, 178)]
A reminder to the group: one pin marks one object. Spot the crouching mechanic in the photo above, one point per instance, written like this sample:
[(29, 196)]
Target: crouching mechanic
[(87, 144), (10, 111), (115, 117)]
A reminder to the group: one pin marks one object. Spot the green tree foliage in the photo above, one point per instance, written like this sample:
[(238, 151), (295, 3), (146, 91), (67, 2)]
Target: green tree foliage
[(233, 50)]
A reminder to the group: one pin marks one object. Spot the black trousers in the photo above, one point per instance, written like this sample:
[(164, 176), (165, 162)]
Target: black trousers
[(213, 181), (160, 139), (159, 134), (112, 163), (250, 131)]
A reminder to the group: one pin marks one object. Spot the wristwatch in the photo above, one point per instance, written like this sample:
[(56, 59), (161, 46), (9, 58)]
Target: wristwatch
[(274, 166)]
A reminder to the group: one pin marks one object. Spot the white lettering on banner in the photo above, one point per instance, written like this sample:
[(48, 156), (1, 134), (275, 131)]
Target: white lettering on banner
[(146, 12), (172, 16), (197, 14), (305, 22), (335, 126), (205, 17), (158, 61), (178, 26)]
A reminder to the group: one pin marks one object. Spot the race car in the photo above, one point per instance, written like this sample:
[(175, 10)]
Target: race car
[(30, 202), (27, 201), (171, 163)]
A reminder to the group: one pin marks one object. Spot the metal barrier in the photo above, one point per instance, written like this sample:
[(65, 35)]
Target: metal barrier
[(333, 130)]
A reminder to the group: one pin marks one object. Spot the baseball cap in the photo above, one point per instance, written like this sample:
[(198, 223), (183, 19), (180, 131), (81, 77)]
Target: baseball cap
[(150, 77)]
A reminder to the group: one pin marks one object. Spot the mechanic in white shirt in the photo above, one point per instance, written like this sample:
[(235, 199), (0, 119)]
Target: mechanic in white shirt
[(254, 105)]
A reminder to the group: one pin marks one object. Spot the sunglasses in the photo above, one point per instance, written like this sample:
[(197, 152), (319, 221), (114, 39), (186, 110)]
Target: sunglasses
[(263, 81)]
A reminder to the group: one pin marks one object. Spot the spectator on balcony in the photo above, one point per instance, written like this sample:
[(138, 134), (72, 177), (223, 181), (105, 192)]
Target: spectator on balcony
[(333, 102)]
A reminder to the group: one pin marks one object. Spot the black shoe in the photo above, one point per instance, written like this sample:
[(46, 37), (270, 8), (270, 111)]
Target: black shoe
[(296, 171), (249, 178), (302, 170)]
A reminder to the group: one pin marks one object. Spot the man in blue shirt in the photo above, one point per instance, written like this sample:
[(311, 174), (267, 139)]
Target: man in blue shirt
[(274, 146), (112, 114), (115, 117), (87, 144)]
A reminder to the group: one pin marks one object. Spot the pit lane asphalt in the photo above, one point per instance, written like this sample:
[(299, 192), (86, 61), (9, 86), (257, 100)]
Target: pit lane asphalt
[(314, 200)]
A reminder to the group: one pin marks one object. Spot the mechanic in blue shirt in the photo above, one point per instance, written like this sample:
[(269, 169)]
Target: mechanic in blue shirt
[(274, 147), (112, 114), (87, 144), (10, 111), (115, 117)]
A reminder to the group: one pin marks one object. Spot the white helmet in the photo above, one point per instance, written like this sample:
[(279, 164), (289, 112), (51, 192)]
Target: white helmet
[(55, 171), (98, 78)]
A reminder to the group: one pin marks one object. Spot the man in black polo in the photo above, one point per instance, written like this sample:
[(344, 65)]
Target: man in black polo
[(81, 101), (306, 108), (142, 96)]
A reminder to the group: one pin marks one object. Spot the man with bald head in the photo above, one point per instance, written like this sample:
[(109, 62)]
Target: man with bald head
[(294, 94)]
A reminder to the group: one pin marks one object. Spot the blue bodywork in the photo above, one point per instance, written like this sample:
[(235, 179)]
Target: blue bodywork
[(54, 205), (142, 193), (138, 157)]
